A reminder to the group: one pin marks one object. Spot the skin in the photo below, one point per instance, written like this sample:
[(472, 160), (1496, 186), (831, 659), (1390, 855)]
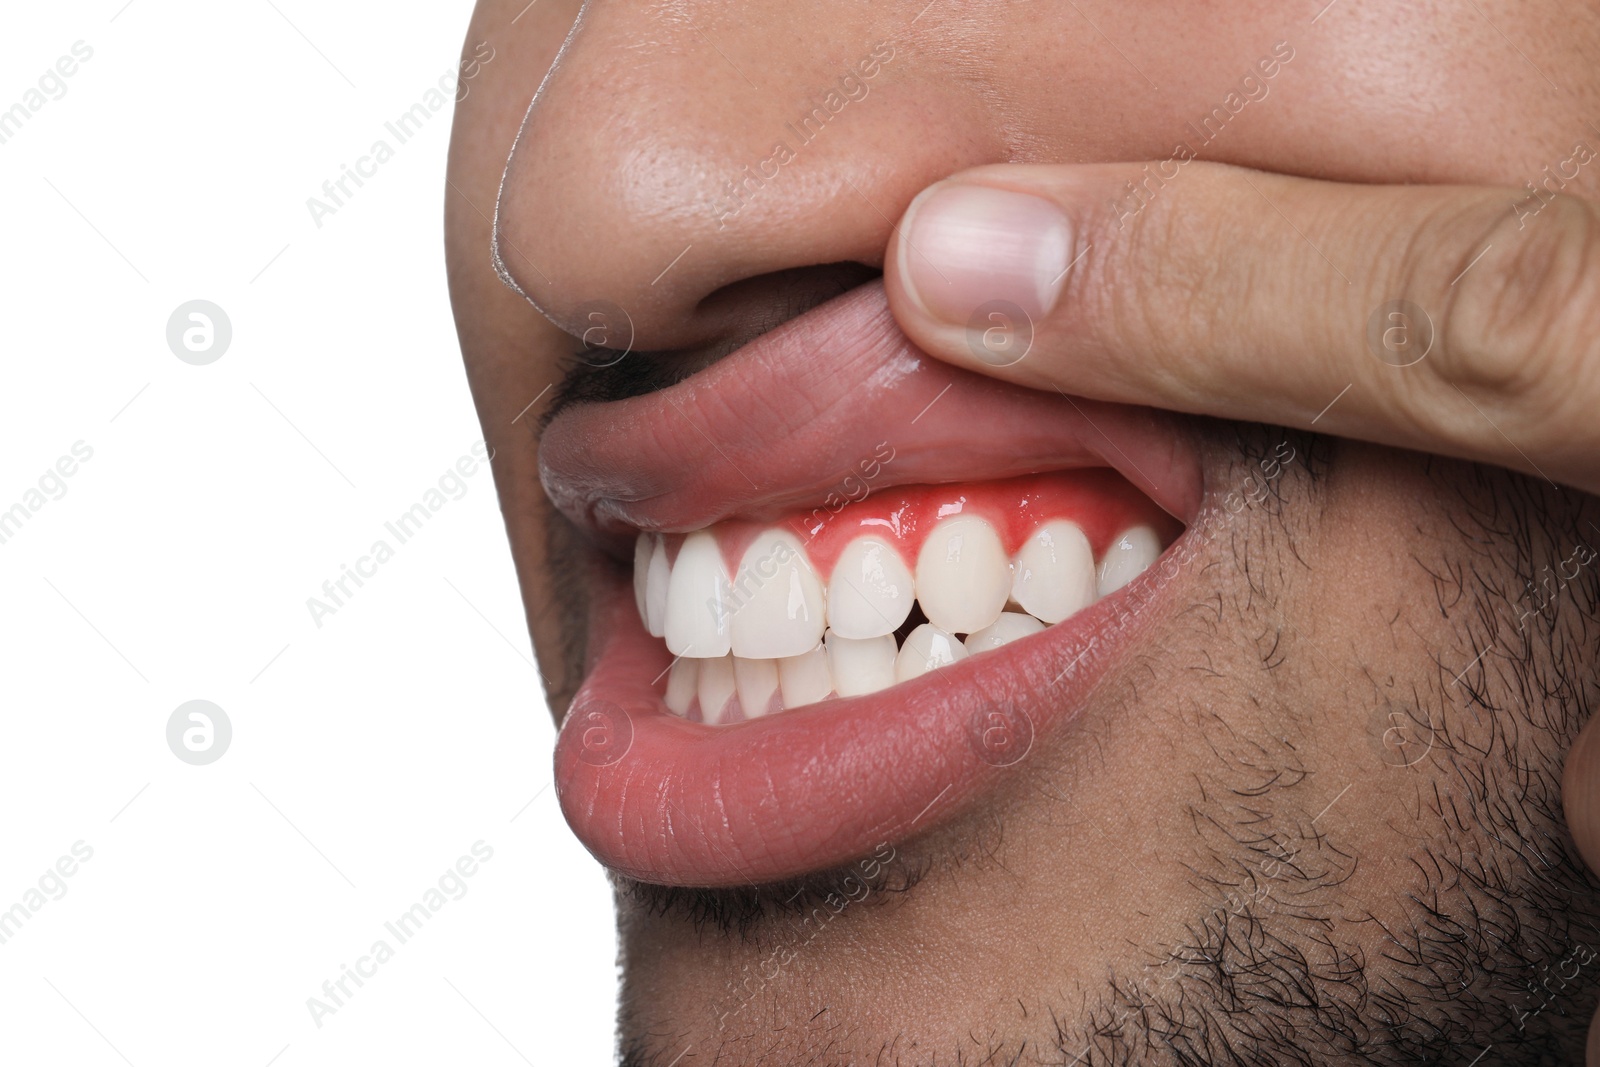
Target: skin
[(1311, 820)]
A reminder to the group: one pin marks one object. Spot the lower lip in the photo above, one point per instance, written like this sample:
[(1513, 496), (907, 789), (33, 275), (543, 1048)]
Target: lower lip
[(663, 800)]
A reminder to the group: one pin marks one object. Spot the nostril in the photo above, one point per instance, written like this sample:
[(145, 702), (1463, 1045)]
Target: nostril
[(612, 199)]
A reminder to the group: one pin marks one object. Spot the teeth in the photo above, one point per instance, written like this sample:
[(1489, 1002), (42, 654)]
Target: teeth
[(682, 683), (641, 569), (696, 615), (870, 592), (861, 666), (655, 588), (1010, 626), (776, 600), (1054, 572), (716, 688), (1128, 557), (805, 679), (775, 636), (755, 680), (926, 649), (963, 576)]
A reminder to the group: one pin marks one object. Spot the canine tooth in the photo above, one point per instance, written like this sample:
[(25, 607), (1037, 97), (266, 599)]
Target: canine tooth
[(776, 601), (682, 683), (641, 568), (963, 576), (1053, 574), (716, 688), (927, 648), (1128, 557), (805, 679), (861, 666), (870, 593), (657, 578), (696, 616), (755, 680), (1010, 626)]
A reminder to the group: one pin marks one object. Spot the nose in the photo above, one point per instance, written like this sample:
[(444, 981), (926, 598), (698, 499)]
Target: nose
[(682, 159)]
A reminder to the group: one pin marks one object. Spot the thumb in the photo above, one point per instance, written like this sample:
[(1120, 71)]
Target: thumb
[(1580, 801), (1452, 319)]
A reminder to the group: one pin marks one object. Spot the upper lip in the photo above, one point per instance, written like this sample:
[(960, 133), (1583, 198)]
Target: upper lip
[(777, 425)]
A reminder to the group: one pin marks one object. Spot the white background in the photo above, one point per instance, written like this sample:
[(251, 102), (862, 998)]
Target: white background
[(367, 754)]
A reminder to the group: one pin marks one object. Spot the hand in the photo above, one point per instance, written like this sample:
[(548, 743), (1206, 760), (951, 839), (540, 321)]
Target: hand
[(1450, 319), (1580, 797)]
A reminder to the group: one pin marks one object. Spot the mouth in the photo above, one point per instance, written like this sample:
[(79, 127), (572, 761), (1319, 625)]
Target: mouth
[(866, 587)]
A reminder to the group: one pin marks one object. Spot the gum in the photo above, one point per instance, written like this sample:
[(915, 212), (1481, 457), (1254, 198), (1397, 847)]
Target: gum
[(1099, 500)]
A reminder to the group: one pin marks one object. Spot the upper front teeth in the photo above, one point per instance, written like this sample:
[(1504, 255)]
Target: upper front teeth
[(870, 593), (963, 576), (1127, 558), (655, 589), (774, 634), (697, 621), (775, 601), (1054, 574), (641, 569)]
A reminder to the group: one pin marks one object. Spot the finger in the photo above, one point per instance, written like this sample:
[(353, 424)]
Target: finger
[(1580, 793), (1453, 319), (1580, 801)]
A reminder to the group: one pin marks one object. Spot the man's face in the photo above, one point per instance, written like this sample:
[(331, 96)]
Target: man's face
[(1291, 795)]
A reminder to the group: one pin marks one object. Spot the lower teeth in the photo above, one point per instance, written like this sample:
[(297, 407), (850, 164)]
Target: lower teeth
[(727, 689)]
